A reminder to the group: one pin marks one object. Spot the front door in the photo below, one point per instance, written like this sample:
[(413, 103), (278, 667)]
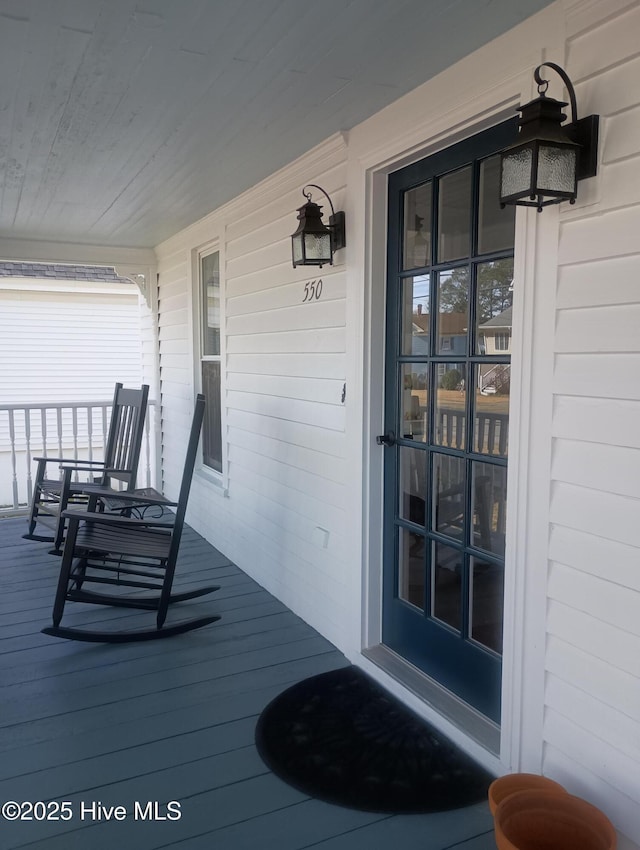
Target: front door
[(448, 343)]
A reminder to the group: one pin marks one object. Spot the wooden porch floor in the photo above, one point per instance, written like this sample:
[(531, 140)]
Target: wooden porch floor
[(170, 720)]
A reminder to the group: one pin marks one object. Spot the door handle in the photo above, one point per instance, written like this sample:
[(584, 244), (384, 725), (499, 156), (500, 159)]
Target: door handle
[(387, 439)]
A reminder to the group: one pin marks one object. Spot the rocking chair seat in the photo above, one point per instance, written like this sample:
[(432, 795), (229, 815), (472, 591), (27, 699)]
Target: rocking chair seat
[(145, 542)]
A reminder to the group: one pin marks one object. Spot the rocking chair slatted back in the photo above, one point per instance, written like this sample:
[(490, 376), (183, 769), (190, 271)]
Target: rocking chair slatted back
[(122, 452)]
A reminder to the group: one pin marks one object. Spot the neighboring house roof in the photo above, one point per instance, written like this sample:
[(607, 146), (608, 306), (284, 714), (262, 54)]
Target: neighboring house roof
[(59, 271), (449, 324), (502, 320)]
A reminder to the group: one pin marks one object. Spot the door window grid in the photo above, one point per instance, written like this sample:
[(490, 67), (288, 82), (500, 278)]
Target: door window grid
[(444, 289)]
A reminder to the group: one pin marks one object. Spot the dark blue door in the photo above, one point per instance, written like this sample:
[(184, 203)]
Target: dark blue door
[(447, 383)]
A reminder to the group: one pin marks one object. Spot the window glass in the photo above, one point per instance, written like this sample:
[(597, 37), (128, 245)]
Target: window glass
[(415, 316), (210, 281), (412, 484), (488, 506), (211, 367), (492, 385), (454, 221), (446, 585), (486, 589), (417, 227), (411, 572), (453, 311), (493, 306), (448, 495), (451, 403), (415, 396), (496, 227)]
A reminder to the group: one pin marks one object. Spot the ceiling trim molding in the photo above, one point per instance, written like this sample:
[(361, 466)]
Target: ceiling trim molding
[(27, 250)]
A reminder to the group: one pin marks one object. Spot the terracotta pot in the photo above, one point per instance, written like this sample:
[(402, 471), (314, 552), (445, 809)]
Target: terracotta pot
[(505, 785), (547, 820)]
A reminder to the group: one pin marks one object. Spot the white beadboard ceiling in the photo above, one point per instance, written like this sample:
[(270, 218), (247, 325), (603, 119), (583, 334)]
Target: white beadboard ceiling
[(123, 121)]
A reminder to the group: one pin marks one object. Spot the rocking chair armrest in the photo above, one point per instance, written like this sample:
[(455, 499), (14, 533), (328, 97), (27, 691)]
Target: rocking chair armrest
[(81, 465), (66, 460), (111, 519), (133, 497)]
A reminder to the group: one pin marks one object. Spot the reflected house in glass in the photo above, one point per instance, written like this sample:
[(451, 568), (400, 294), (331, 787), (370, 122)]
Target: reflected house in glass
[(420, 332), (452, 333), (494, 337), (495, 334)]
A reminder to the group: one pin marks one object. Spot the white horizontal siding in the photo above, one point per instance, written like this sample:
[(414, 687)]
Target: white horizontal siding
[(615, 423), (599, 283), (592, 694), (587, 551), (613, 469), (282, 514), (599, 329), (320, 340), (67, 347), (62, 346)]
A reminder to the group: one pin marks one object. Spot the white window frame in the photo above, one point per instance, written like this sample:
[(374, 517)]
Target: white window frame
[(217, 477)]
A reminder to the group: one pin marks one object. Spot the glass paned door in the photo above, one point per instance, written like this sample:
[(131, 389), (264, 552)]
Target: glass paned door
[(447, 382)]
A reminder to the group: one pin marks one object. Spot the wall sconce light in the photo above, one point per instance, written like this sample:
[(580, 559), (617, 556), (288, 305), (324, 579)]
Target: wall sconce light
[(314, 243), (544, 165)]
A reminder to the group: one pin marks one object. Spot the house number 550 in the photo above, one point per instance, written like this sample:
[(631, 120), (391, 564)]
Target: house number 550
[(312, 290)]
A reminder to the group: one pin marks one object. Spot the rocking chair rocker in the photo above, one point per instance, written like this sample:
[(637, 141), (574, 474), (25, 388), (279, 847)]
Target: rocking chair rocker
[(130, 554), (52, 497)]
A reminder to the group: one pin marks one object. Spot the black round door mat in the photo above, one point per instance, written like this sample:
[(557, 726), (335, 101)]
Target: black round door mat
[(342, 738)]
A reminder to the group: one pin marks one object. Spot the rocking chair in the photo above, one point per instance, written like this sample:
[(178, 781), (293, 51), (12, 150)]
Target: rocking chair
[(131, 555), (52, 497)]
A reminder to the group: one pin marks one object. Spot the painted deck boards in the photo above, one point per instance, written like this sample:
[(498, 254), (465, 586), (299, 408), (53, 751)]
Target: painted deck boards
[(170, 720)]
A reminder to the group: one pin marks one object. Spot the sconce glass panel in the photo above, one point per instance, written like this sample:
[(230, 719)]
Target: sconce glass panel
[(317, 247), (556, 169), (516, 173)]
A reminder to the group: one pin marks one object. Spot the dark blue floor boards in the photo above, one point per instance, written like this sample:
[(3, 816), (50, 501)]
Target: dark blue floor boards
[(101, 727)]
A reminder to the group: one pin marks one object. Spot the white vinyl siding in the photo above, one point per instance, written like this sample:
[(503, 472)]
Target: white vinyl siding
[(281, 516), (69, 344), (592, 693)]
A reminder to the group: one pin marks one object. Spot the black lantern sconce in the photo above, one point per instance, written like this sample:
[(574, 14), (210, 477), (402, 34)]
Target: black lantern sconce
[(314, 243), (544, 165)]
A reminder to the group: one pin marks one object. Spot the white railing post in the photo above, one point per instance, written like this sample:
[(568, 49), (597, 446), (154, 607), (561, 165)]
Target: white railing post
[(12, 437), (27, 431)]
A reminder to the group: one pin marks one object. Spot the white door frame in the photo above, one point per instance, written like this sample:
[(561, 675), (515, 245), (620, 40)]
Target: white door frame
[(530, 436)]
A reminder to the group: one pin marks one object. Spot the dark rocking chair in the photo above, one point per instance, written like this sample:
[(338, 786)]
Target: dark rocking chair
[(132, 555), (52, 497)]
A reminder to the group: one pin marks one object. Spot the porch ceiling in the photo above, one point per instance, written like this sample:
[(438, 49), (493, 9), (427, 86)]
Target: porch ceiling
[(122, 121)]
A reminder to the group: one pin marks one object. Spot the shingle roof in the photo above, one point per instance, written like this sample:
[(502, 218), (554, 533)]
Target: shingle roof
[(59, 271), (502, 320)]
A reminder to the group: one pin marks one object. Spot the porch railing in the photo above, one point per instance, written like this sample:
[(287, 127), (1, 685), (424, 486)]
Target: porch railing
[(75, 430)]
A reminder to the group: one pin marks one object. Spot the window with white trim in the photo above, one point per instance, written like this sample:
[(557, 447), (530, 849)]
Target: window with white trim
[(210, 359)]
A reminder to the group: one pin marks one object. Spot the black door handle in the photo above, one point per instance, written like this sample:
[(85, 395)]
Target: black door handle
[(387, 439)]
